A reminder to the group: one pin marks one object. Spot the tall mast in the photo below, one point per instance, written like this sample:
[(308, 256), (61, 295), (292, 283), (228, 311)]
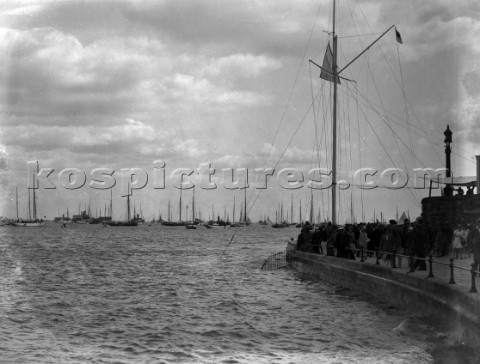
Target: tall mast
[(281, 212), (16, 199), (233, 217), (300, 210), (334, 122), (245, 202), (34, 198), (291, 211), (311, 207), (169, 214), (352, 215), (29, 205), (180, 206), (128, 203), (193, 206), (111, 204)]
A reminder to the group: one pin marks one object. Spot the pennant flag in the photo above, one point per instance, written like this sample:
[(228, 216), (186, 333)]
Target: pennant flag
[(327, 67), (399, 37)]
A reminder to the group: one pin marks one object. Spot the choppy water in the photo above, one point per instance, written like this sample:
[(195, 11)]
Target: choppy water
[(154, 294)]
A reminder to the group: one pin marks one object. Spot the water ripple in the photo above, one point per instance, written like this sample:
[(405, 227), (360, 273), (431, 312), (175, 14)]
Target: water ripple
[(154, 294)]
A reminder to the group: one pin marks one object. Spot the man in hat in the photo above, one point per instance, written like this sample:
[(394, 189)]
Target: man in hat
[(476, 244)]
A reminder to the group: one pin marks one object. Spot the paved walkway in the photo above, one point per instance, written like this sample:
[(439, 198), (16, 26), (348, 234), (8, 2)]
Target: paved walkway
[(441, 272)]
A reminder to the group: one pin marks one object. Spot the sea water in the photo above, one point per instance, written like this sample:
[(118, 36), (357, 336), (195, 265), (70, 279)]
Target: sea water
[(156, 294)]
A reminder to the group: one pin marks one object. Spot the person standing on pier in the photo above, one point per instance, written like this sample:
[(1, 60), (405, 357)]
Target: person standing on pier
[(459, 241), (420, 242), (476, 244), (441, 241), (388, 245)]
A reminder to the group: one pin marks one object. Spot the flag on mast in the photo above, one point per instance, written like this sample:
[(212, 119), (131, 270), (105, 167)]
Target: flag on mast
[(327, 66), (398, 36)]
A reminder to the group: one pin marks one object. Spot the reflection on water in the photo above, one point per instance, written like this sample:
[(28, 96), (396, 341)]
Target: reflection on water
[(166, 294)]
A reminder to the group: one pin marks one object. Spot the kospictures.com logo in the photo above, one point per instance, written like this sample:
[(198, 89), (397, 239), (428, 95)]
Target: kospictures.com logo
[(206, 177)]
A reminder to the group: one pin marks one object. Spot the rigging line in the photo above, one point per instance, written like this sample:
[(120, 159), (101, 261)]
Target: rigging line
[(399, 118), (383, 146), (316, 144), (369, 104), (317, 148), (291, 93), (351, 159), (386, 116), (227, 246), (394, 75), (326, 112), (427, 137), (405, 145), (357, 104), (315, 152), (362, 186), (359, 144), (402, 88), (409, 104), (358, 35), (288, 144), (349, 136), (406, 106), (356, 97)]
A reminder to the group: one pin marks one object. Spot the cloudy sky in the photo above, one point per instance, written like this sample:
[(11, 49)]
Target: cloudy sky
[(122, 84)]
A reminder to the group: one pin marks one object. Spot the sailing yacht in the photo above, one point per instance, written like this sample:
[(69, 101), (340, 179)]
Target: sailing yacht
[(32, 220), (192, 225), (244, 220), (129, 221), (335, 88), (180, 222)]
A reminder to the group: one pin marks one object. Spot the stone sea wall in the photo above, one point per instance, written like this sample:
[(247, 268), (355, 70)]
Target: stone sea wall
[(444, 306)]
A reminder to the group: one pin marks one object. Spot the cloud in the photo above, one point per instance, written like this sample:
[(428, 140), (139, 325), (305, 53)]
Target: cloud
[(471, 82), (50, 73), (244, 65), (128, 82)]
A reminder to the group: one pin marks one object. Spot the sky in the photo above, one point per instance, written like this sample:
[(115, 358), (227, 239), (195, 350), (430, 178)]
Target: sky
[(171, 87)]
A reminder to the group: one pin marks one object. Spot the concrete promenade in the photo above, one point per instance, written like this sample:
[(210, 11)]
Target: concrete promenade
[(440, 268), (441, 272)]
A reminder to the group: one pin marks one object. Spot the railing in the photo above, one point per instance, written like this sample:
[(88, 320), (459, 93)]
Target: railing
[(362, 254)]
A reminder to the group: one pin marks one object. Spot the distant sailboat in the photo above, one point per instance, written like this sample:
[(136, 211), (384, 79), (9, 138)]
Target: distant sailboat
[(179, 222), (234, 224), (244, 220), (128, 221), (32, 221), (282, 223), (192, 225)]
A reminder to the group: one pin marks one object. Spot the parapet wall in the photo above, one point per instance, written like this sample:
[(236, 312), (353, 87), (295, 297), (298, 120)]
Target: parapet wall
[(444, 306)]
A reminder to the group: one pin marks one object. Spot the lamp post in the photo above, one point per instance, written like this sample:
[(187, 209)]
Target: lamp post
[(448, 191)]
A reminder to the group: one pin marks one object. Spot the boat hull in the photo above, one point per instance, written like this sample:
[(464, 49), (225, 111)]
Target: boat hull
[(28, 224)]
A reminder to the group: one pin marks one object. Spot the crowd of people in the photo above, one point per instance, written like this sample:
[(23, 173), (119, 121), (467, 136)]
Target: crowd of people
[(417, 239)]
